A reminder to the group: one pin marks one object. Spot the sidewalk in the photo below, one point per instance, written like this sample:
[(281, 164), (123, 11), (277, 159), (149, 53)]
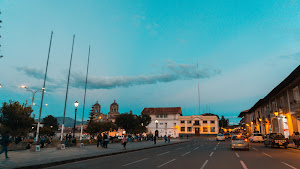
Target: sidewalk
[(26, 158), (292, 145)]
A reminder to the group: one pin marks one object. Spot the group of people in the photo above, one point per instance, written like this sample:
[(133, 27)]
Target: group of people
[(102, 140), (296, 138), (167, 138)]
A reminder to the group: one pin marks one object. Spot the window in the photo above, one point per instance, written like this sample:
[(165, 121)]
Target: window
[(174, 124), (182, 121), (204, 121), (165, 116), (157, 116), (161, 123), (189, 121), (205, 129), (281, 102), (182, 129), (161, 116), (189, 129), (296, 94), (196, 122), (212, 129), (212, 121)]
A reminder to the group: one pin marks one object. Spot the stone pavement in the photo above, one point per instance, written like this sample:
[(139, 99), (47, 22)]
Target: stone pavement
[(27, 158)]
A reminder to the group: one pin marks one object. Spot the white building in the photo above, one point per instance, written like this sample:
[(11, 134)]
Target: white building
[(164, 120)]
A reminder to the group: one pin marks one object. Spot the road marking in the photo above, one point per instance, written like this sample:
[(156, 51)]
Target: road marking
[(211, 154), (166, 163), (237, 154), (243, 164), (215, 148), (255, 149), (185, 153), (135, 162), (267, 154), (204, 164), (179, 148), (289, 165), (196, 148), (163, 153), (217, 145)]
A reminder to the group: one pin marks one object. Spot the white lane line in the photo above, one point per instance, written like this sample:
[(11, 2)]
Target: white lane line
[(289, 165), (135, 162), (185, 153), (166, 163), (179, 148), (255, 149), (202, 167), (243, 164), (267, 154), (237, 154), (211, 154), (196, 148), (163, 153), (217, 145), (215, 148)]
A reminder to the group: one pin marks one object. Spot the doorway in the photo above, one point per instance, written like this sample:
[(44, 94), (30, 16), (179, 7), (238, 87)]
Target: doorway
[(197, 131)]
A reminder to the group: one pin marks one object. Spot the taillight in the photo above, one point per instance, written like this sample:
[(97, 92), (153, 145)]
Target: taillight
[(246, 140)]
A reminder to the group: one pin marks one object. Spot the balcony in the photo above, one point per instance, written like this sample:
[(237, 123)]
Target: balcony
[(196, 124)]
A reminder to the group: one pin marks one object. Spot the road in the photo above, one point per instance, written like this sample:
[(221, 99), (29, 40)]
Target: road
[(200, 153)]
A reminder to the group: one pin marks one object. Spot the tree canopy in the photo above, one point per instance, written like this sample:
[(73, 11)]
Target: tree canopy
[(133, 124), (223, 122), (50, 126), (15, 118), (98, 127)]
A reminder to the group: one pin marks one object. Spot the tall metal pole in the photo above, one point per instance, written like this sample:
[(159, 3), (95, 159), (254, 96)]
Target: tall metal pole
[(63, 123), (198, 88), (43, 91), (75, 122), (86, 78)]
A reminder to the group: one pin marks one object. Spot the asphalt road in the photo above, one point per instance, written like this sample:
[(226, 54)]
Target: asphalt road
[(201, 153)]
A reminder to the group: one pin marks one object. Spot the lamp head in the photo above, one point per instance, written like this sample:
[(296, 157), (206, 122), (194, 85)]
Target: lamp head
[(76, 104)]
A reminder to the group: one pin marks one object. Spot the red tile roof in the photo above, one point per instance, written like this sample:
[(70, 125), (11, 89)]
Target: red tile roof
[(162, 110)]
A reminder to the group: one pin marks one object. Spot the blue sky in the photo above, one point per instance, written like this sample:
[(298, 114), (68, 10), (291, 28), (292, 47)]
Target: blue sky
[(144, 53)]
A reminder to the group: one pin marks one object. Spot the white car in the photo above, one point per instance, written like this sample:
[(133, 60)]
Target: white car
[(256, 137), (220, 137)]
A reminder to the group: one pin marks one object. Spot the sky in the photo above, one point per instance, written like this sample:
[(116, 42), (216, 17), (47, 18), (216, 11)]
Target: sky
[(145, 53)]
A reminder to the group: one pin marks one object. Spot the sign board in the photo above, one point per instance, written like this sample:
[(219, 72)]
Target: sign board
[(37, 148), (62, 147)]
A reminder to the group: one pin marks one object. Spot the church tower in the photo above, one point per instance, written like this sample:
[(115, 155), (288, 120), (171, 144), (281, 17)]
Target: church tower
[(114, 111)]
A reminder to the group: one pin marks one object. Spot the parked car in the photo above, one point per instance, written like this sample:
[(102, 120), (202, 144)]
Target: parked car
[(220, 137), (256, 137), (227, 135), (276, 139), (239, 142)]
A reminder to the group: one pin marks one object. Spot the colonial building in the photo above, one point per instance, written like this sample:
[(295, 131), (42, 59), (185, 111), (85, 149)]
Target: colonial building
[(279, 111), (197, 125), (164, 120), (114, 111), (96, 115)]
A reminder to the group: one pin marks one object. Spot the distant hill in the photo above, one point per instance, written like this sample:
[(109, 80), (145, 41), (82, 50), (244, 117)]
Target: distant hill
[(69, 122)]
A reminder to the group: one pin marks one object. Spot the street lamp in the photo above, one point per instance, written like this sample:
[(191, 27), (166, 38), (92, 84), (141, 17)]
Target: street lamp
[(76, 105), (156, 131), (0, 85), (276, 114), (33, 92), (260, 119)]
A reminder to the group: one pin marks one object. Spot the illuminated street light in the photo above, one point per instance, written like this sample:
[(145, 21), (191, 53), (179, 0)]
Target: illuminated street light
[(276, 114), (33, 92), (260, 119), (76, 105), (0, 85)]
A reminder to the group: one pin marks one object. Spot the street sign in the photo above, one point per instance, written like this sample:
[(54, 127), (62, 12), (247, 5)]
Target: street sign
[(37, 148)]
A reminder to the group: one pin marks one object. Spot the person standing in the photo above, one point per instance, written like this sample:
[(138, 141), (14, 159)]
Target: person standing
[(297, 138), (124, 141), (154, 139), (4, 144), (106, 140), (42, 141), (165, 137), (99, 140), (169, 138)]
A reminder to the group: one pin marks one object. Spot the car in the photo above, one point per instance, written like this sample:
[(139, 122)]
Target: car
[(227, 135), (276, 139), (239, 142), (256, 137), (220, 137)]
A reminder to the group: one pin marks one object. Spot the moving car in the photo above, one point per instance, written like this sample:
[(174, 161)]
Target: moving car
[(256, 137), (276, 139), (239, 142), (220, 137), (227, 135)]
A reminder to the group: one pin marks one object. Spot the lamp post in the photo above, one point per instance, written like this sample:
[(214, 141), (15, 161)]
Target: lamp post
[(33, 92), (76, 105), (156, 131)]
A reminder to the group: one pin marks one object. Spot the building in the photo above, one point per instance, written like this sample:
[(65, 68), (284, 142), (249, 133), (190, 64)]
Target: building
[(97, 115), (164, 120), (279, 111), (114, 111), (197, 125), (245, 121)]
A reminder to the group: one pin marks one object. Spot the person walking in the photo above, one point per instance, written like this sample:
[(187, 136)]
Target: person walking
[(154, 139), (42, 142), (106, 140), (169, 138), (4, 144), (99, 140), (124, 141), (165, 137)]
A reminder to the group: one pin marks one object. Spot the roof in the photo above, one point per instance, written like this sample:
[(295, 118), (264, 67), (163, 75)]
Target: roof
[(243, 113), (114, 103), (209, 114), (162, 110)]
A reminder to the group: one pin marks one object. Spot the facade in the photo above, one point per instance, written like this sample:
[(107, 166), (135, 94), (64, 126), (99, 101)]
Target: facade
[(279, 111), (114, 111), (164, 120), (197, 125), (98, 116)]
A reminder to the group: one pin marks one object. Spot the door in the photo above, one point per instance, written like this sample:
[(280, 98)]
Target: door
[(197, 131)]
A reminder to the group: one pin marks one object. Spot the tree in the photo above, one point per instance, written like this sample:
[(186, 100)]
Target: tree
[(15, 118), (144, 119), (223, 122), (50, 126), (127, 121), (98, 127), (92, 116)]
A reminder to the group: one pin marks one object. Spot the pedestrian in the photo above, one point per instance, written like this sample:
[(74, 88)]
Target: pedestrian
[(294, 138), (42, 142), (169, 138), (154, 139), (106, 140), (165, 137), (297, 138), (4, 144), (124, 141), (99, 140)]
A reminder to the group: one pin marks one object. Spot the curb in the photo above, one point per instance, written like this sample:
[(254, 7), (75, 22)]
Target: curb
[(51, 164)]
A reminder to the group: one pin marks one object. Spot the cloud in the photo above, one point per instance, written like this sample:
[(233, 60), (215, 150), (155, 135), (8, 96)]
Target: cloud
[(32, 72), (172, 72)]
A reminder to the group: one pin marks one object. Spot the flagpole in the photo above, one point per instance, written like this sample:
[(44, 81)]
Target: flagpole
[(86, 78), (63, 123), (198, 88)]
